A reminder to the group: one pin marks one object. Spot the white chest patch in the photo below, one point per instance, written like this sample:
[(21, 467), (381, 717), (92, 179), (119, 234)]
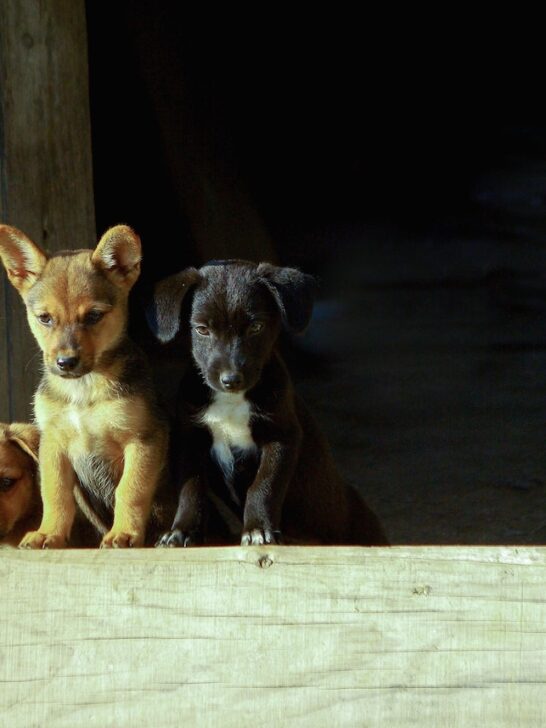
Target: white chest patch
[(228, 419), (75, 418)]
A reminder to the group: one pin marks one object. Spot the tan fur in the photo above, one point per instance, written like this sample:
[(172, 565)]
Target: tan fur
[(102, 420), (20, 507)]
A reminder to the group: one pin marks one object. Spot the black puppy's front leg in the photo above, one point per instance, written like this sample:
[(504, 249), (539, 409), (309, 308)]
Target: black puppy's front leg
[(188, 524), (265, 497), (188, 448)]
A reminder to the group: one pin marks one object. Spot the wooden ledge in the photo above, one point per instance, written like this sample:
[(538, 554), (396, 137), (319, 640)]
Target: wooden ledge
[(434, 636)]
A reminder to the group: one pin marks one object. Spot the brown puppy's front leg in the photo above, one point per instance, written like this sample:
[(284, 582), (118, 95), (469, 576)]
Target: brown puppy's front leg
[(134, 493), (57, 485), (265, 497)]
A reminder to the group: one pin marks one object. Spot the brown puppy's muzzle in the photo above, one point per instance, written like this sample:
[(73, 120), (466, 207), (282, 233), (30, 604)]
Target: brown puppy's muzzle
[(68, 364), (69, 367)]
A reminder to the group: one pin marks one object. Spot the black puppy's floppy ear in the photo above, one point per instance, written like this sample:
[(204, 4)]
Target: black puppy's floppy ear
[(294, 293), (164, 315)]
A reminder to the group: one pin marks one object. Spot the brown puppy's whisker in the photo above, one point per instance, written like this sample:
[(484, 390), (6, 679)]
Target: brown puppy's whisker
[(33, 358)]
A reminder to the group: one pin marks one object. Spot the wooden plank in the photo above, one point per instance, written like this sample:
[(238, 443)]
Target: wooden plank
[(45, 156), (442, 636)]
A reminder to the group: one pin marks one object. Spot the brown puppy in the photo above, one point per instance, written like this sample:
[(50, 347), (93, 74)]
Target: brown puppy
[(243, 432), (20, 506), (95, 407)]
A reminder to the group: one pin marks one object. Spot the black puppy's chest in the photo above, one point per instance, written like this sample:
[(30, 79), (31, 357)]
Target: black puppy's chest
[(228, 419)]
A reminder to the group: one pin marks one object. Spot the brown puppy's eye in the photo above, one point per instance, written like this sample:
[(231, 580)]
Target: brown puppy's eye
[(6, 484), (255, 328), (93, 317), (202, 330), (45, 318)]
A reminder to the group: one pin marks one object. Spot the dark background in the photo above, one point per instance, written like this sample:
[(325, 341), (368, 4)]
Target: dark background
[(402, 160)]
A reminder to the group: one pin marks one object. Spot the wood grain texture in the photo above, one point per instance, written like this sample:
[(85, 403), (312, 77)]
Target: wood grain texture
[(443, 636), (45, 157)]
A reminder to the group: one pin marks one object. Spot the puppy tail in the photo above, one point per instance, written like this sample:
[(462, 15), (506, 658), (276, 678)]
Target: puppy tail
[(88, 511)]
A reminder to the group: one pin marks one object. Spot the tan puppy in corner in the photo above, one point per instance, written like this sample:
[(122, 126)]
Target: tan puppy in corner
[(95, 407), (20, 506)]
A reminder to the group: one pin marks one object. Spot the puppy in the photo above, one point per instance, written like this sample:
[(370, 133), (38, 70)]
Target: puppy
[(20, 505), (95, 408), (242, 431)]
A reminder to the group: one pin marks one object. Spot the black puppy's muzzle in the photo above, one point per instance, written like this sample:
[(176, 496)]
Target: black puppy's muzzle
[(231, 381)]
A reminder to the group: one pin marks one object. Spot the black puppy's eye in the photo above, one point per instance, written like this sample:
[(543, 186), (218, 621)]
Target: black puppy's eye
[(6, 484), (45, 318), (202, 330), (255, 328), (93, 317)]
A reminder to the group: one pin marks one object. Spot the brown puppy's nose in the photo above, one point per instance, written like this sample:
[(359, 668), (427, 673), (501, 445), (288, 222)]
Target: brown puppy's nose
[(231, 380), (67, 363)]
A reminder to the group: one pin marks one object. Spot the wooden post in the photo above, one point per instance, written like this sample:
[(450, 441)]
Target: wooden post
[(438, 637), (46, 186)]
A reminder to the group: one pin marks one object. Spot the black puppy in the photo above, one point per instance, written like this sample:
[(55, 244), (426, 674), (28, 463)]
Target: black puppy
[(243, 433)]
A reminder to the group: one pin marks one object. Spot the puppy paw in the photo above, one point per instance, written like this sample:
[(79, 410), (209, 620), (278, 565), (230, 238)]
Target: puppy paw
[(260, 536), (121, 540), (177, 538), (37, 540)]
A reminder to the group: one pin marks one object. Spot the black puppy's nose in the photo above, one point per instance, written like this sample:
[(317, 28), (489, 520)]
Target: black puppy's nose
[(231, 380), (67, 363)]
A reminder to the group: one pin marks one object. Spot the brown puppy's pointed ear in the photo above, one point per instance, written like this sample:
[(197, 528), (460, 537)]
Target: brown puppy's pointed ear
[(164, 314), (23, 259), (118, 255), (294, 293), (26, 436)]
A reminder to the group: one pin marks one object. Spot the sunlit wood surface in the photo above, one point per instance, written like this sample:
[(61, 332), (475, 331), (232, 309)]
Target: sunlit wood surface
[(283, 636)]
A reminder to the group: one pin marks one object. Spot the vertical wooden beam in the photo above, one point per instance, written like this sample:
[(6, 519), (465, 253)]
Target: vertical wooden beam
[(45, 160)]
